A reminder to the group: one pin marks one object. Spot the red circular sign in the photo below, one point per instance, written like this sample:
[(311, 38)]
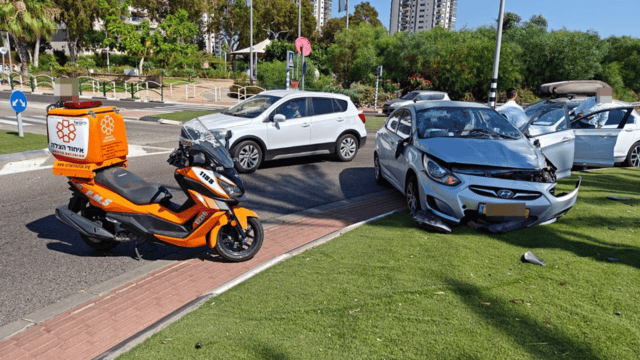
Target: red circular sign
[(307, 45)]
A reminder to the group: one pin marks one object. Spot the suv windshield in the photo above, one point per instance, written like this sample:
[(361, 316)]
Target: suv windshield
[(461, 122), (253, 106)]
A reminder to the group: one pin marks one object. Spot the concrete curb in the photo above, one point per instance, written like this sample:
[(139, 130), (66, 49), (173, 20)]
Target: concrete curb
[(151, 330), (25, 155)]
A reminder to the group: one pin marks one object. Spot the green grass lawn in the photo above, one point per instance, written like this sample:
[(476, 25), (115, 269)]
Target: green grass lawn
[(390, 290), (374, 122), (10, 142), (185, 115)]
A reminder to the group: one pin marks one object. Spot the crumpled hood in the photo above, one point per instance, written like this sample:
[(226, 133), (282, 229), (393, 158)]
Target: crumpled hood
[(222, 121), (519, 154)]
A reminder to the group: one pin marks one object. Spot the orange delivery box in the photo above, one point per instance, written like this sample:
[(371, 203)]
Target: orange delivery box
[(85, 136)]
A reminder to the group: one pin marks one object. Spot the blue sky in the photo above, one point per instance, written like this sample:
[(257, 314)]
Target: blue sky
[(607, 17)]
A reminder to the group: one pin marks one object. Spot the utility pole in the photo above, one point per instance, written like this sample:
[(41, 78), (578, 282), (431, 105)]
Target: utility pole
[(347, 14), (251, 43), (299, 33), (496, 62)]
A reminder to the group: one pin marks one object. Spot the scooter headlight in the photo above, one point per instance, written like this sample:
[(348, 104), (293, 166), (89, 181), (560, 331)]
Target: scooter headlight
[(438, 173), (229, 187)]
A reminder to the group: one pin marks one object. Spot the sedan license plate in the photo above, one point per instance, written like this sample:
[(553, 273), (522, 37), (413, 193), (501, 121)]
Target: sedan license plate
[(518, 210)]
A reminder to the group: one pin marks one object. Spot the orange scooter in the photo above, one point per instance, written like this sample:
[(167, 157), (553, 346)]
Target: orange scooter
[(111, 204)]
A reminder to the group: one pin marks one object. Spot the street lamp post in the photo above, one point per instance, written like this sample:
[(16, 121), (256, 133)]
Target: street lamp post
[(496, 62), (251, 44)]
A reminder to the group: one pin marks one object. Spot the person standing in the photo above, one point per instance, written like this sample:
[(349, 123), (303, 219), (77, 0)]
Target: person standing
[(512, 111)]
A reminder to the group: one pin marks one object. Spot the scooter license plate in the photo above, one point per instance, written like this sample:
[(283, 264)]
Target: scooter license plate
[(518, 210)]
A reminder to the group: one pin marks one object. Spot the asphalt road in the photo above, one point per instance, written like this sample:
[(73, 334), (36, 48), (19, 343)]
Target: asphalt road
[(43, 261)]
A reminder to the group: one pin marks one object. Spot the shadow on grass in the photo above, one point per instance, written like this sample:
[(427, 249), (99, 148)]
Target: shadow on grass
[(538, 339), (265, 351)]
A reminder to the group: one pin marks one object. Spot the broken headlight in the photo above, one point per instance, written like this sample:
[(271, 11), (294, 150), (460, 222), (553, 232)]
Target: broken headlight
[(438, 173)]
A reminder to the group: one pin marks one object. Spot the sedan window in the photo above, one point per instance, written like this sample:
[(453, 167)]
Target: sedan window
[(392, 121), (404, 127)]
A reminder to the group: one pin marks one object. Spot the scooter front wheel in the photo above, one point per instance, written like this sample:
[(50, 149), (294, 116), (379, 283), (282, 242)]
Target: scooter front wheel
[(232, 247)]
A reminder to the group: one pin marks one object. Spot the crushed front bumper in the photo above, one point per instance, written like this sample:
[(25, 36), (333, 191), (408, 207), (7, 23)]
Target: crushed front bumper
[(453, 204)]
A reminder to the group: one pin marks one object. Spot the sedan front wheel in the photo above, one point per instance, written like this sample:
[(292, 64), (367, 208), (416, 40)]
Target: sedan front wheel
[(412, 194)]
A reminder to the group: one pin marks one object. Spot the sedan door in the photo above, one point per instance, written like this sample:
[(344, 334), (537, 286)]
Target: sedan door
[(594, 147), (558, 146), (399, 166), (294, 134), (387, 143)]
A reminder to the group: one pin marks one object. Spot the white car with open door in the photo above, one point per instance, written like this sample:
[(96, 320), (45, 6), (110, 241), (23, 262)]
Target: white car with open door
[(617, 141)]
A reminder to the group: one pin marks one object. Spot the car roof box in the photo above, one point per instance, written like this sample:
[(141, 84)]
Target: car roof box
[(582, 87)]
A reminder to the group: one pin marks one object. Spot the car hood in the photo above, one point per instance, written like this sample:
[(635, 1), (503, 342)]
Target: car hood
[(222, 121), (520, 154)]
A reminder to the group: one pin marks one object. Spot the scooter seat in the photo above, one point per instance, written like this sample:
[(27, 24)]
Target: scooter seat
[(131, 187)]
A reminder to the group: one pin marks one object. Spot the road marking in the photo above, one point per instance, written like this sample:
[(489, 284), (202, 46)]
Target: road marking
[(34, 120), (10, 122), (38, 163), (25, 165)]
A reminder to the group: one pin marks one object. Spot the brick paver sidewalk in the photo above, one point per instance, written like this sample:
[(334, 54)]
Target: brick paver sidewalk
[(94, 327)]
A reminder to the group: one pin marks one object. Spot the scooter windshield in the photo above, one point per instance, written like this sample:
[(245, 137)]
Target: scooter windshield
[(195, 133)]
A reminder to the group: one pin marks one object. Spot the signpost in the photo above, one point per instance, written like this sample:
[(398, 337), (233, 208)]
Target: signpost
[(18, 102), (3, 50), (378, 75), (289, 67)]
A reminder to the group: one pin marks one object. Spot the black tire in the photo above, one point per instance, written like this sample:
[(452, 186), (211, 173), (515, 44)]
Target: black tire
[(412, 194), (633, 157), (248, 156), (97, 215), (346, 147), (231, 249), (99, 245), (377, 171)]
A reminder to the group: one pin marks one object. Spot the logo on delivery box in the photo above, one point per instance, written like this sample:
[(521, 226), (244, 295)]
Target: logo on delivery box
[(66, 131), (106, 125)]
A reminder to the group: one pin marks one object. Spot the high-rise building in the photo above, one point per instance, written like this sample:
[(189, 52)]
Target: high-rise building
[(322, 12), (419, 15)]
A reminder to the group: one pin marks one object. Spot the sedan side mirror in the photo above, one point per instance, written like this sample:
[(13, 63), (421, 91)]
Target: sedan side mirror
[(279, 118)]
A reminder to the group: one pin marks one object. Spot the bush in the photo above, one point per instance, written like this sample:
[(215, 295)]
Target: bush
[(46, 61)]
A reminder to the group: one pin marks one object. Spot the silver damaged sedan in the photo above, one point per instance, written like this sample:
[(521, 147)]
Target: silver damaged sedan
[(459, 162)]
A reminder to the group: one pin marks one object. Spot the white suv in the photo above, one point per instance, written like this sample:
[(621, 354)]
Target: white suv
[(278, 124)]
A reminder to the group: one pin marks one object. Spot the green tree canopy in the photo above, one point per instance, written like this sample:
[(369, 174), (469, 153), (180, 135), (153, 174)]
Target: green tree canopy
[(364, 12)]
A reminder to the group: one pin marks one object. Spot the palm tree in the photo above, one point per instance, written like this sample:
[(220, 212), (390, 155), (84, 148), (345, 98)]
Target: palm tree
[(26, 21)]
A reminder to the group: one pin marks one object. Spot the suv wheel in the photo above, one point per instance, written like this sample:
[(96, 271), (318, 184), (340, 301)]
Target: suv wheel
[(346, 147), (248, 156)]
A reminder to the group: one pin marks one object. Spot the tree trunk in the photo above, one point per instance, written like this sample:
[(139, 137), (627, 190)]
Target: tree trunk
[(22, 47), (141, 62), (73, 49), (36, 52)]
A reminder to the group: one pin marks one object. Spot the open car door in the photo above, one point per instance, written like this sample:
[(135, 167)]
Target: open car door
[(557, 146), (594, 147)]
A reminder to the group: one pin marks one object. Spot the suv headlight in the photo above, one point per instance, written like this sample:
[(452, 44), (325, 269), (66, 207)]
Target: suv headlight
[(438, 173)]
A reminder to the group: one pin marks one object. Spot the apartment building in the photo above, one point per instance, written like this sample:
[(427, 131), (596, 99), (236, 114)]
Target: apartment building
[(322, 12), (420, 15)]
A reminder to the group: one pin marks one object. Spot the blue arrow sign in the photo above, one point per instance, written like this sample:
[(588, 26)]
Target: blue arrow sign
[(18, 101)]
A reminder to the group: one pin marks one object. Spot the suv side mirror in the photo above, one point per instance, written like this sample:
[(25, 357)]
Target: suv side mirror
[(279, 118)]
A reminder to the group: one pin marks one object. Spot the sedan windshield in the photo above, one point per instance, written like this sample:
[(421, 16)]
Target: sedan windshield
[(464, 122), (410, 96), (551, 114), (252, 107)]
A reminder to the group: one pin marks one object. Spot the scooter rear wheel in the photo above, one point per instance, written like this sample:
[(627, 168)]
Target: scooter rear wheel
[(232, 248), (99, 245)]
